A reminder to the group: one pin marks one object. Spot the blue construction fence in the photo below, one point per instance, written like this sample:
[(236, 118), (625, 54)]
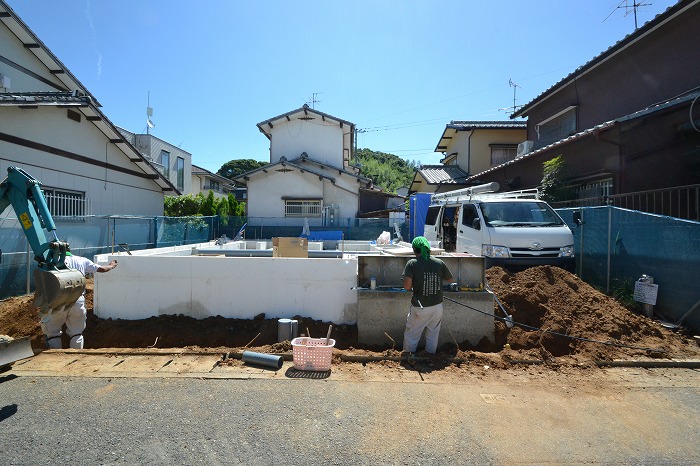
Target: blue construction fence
[(92, 235), (614, 247)]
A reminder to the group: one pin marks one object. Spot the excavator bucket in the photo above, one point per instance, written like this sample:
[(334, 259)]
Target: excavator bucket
[(14, 349), (57, 288)]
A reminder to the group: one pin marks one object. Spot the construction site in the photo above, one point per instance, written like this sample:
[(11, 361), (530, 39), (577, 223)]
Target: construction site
[(560, 321)]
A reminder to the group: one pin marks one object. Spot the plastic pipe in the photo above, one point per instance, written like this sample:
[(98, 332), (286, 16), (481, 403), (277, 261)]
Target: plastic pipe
[(262, 359)]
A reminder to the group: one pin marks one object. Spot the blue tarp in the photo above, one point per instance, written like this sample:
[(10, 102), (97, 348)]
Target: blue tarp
[(325, 235), (418, 206)]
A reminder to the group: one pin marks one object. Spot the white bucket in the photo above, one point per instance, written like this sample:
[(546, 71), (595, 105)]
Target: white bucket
[(287, 329)]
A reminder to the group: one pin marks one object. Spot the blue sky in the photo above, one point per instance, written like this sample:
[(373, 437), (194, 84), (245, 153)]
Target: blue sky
[(399, 69)]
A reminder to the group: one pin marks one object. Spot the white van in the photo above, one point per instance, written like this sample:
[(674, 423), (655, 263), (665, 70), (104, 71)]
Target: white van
[(514, 229)]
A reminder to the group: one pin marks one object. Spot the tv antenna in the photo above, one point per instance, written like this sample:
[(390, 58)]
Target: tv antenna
[(515, 87), (149, 114), (633, 8), (314, 99)]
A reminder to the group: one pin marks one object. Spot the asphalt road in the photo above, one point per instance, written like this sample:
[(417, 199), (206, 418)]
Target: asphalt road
[(628, 416)]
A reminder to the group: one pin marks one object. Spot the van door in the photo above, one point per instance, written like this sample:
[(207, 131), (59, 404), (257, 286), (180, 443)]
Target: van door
[(431, 231), (448, 227), (469, 238)]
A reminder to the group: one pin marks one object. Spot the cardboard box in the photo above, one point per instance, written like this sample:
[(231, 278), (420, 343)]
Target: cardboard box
[(290, 247)]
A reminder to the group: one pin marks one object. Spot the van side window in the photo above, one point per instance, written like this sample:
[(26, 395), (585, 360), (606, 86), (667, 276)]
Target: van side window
[(468, 215), (431, 217)]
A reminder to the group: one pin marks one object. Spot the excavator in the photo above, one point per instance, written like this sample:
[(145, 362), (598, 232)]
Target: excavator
[(56, 285)]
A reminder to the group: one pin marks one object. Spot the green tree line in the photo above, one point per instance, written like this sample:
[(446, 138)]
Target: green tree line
[(190, 205), (388, 171)]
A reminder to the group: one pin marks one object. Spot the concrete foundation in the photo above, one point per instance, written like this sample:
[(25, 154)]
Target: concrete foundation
[(385, 311), (176, 280)]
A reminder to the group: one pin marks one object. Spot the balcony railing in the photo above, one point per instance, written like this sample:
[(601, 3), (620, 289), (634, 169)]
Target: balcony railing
[(680, 202)]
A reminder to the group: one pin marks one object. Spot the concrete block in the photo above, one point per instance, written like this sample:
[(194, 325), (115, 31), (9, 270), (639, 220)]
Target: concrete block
[(385, 311)]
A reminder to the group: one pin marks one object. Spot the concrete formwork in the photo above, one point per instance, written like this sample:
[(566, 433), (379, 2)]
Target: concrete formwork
[(147, 285)]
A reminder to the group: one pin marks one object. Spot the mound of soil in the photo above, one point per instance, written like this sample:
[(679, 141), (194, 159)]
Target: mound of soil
[(557, 315)]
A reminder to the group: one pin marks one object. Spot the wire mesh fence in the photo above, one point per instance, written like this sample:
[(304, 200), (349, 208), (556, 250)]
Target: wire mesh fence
[(614, 246)]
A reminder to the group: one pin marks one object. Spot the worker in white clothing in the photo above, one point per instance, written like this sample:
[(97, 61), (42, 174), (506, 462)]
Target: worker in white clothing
[(74, 316), (424, 275)]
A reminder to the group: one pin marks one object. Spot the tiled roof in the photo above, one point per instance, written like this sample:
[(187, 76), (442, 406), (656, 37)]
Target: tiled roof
[(657, 107), (443, 174), (619, 45), (468, 125), (43, 98)]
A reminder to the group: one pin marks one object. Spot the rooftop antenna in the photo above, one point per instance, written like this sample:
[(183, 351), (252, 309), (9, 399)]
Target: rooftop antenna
[(314, 100), (515, 88), (633, 8), (149, 114)]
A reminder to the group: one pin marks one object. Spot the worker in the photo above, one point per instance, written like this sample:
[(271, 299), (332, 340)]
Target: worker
[(424, 275), (74, 316)]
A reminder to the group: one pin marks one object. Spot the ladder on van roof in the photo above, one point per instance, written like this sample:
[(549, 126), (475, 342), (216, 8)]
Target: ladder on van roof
[(484, 191)]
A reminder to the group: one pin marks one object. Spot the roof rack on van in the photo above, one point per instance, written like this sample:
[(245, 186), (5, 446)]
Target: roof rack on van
[(484, 191)]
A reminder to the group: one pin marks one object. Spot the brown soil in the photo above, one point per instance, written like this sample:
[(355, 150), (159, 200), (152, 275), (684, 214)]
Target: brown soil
[(547, 303)]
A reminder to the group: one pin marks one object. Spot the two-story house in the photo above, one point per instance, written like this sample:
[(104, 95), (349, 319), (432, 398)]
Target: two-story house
[(469, 147), (52, 127), (204, 181), (309, 174), (172, 162), (625, 122)]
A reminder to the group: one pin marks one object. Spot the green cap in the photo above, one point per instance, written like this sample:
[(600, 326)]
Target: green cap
[(420, 243)]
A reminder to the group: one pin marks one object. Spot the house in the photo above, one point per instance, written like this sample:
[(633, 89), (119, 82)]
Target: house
[(469, 147), (53, 128), (309, 174), (204, 181), (172, 162), (625, 123)]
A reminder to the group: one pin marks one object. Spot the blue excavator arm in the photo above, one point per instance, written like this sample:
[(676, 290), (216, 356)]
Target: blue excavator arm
[(24, 193), (56, 285)]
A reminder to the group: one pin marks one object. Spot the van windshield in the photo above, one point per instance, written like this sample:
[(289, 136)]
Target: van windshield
[(519, 214)]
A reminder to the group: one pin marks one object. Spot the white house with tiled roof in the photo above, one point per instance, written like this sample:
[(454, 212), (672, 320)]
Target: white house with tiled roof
[(53, 128), (309, 174)]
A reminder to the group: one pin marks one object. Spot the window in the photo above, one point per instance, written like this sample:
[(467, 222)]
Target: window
[(63, 203), (165, 161), (502, 153), (302, 208), (596, 189), (180, 170), (469, 215), (557, 127), (432, 215)]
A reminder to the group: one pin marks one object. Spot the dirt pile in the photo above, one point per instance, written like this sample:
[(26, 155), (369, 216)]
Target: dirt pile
[(576, 320), (557, 315)]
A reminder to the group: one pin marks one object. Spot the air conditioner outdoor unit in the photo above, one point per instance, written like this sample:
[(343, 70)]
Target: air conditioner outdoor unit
[(523, 148)]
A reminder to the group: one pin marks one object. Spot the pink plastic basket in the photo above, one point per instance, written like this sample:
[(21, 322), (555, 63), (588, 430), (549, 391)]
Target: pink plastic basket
[(312, 354)]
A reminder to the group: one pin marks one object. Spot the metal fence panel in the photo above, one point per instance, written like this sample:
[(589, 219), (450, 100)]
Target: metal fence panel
[(615, 247)]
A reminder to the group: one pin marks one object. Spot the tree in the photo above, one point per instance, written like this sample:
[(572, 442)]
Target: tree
[(388, 171), (233, 168), (183, 206), (552, 188), (209, 205)]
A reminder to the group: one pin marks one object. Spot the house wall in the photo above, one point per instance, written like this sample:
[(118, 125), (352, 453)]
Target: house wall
[(124, 191), (657, 67), (322, 141), (150, 146), (265, 191), (21, 81), (480, 157)]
